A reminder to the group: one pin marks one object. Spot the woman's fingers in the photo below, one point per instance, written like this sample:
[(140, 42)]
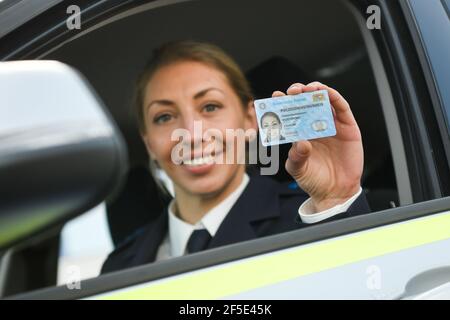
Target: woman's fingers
[(277, 94), (297, 158), (296, 88), (340, 105)]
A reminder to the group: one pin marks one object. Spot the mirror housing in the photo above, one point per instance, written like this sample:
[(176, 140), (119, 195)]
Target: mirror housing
[(60, 152)]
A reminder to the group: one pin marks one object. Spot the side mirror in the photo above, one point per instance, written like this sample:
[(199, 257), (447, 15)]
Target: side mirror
[(60, 151)]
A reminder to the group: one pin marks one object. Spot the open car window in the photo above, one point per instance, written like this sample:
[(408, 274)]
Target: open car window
[(272, 48), (335, 54)]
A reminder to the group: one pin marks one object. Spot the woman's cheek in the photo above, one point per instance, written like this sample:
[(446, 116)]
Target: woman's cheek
[(160, 146)]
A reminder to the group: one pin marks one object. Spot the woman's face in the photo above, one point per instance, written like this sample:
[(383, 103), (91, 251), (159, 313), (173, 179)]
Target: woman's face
[(271, 127), (181, 95)]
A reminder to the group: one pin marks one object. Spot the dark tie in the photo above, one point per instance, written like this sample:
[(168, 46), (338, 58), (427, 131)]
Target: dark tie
[(198, 240)]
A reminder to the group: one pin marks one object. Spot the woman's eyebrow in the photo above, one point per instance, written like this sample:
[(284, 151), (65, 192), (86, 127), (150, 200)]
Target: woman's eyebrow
[(200, 94), (163, 102)]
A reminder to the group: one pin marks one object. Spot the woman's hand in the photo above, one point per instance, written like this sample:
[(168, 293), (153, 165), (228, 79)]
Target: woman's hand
[(328, 169)]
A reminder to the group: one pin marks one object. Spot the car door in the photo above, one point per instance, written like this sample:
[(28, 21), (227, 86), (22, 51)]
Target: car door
[(372, 256)]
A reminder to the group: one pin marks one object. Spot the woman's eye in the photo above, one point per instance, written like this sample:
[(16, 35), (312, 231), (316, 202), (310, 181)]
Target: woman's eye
[(210, 107), (162, 118)]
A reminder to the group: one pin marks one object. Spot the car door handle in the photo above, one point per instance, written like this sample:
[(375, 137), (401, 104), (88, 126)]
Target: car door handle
[(431, 284)]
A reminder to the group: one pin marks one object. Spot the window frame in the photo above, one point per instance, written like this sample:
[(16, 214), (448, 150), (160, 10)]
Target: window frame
[(440, 113), (411, 95)]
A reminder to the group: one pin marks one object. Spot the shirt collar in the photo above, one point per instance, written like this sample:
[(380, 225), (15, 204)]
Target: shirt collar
[(180, 231)]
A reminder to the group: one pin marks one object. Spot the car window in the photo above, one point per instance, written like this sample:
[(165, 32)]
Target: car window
[(272, 50), (336, 54)]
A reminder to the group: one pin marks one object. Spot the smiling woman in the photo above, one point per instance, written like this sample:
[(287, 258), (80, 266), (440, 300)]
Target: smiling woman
[(185, 82), (217, 203)]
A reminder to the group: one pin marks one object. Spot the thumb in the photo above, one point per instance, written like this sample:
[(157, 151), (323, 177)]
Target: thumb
[(297, 158)]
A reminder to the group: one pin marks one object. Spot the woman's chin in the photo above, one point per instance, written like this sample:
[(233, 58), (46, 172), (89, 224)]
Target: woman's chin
[(204, 179), (203, 188)]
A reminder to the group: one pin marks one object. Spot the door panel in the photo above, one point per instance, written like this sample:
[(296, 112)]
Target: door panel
[(338, 268), (389, 240)]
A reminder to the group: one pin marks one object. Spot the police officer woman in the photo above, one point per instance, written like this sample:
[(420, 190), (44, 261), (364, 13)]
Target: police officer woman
[(215, 203)]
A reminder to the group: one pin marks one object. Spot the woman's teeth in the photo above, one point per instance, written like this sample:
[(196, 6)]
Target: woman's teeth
[(199, 161)]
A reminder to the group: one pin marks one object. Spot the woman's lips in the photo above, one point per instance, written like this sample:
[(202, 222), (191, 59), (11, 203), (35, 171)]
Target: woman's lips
[(199, 161), (199, 165)]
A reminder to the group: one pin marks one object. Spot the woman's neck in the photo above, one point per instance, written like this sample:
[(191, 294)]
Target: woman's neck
[(192, 207)]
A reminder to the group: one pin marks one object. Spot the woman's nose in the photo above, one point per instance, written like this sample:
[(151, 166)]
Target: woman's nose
[(194, 127)]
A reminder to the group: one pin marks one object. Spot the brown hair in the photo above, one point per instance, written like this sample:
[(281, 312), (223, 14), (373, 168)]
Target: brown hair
[(191, 51)]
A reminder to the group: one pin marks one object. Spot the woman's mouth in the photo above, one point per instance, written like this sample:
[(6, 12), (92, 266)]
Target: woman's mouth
[(200, 161), (199, 165)]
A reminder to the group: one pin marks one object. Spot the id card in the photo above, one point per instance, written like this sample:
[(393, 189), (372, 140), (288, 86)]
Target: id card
[(291, 118)]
